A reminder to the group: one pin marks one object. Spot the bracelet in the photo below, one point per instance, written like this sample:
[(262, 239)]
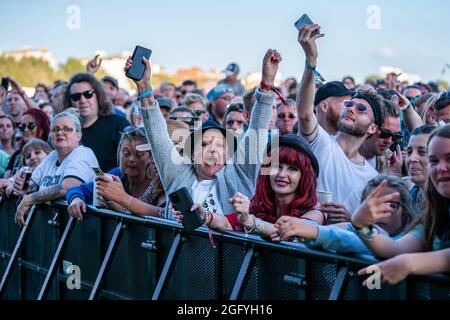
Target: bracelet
[(146, 93), (365, 233), (407, 108), (271, 88), (316, 73)]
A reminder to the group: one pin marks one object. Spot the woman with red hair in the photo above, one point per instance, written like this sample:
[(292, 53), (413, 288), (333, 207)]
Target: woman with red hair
[(35, 124), (286, 186)]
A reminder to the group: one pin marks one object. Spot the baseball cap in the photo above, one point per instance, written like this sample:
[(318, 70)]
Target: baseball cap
[(332, 89), (217, 91), (112, 80), (232, 68)]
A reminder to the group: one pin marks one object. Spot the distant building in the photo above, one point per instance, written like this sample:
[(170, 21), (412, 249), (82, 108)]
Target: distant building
[(28, 52)]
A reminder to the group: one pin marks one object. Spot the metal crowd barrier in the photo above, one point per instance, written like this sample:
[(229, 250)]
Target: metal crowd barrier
[(123, 256)]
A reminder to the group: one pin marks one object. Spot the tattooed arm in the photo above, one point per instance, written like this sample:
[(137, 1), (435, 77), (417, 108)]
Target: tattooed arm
[(48, 194)]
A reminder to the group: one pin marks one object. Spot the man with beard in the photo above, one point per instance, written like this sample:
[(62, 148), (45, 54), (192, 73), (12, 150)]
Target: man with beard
[(343, 170), (328, 102), (374, 148), (219, 98)]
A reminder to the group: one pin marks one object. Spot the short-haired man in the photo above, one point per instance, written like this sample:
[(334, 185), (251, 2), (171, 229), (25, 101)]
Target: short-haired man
[(286, 117), (235, 120), (101, 128), (231, 72), (328, 104), (375, 147), (343, 170), (197, 104), (219, 98), (442, 108), (112, 88)]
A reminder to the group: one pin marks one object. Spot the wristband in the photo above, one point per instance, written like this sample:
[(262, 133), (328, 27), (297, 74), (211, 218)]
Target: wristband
[(271, 88), (316, 73), (146, 93)]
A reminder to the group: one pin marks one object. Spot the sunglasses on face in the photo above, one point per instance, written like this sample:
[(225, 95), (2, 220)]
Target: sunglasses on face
[(77, 96), (198, 113), (386, 134), (291, 116), (413, 99), (358, 106), (29, 125)]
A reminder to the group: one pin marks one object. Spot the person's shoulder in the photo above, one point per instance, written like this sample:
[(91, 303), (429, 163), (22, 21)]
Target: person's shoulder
[(114, 121), (82, 151)]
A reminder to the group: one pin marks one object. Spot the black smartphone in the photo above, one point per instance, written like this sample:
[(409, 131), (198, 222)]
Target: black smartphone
[(5, 83), (137, 70), (182, 201)]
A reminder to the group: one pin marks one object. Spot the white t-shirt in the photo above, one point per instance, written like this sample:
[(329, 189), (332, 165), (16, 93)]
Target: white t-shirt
[(372, 162), (205, 193), (78, 164), (345, 179)]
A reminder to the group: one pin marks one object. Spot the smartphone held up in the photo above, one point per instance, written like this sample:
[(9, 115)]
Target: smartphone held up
[(137, 70), (303, 21)]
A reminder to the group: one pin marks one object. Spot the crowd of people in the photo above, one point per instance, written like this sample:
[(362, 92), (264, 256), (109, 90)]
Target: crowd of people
[(347, 167)]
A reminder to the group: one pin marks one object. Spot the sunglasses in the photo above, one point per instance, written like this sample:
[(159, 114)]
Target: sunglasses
[(386, 134), (29, 125), (358, 106), (235, 107), (291, 116), (134, 129), (198, 113), (413, 99), (77, 96)]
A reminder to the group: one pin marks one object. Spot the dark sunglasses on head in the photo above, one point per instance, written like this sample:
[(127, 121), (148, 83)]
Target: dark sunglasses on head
[(358, 106), (386, 134), (235, 107), (444, 95), (134, 129), (29, 125), (77, 96), (290, 116)]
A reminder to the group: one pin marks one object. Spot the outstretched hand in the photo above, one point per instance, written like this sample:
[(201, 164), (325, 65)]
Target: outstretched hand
[(307, 37), (374, 207)]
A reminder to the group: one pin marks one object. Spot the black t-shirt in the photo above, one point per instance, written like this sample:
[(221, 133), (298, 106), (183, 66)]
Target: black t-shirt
[(103, 138)]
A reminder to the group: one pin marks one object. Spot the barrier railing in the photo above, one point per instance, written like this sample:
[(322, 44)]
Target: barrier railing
[(111, 255)]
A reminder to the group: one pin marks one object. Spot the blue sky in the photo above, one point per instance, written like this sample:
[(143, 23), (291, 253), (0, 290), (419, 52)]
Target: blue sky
[(209, 34)]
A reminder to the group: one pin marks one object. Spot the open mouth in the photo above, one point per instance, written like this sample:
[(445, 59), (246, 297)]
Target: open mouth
[(444, 179)]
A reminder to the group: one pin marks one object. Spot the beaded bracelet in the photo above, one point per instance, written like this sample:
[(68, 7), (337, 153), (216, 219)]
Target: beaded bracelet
[(146, 93)]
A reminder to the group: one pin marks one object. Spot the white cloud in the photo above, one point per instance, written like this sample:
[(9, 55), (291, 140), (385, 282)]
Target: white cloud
[(385, 52)]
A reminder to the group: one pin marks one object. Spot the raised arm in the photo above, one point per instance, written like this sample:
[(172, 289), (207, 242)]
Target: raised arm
[(28, 101), (410, 117), (306, 90), (164, 153)]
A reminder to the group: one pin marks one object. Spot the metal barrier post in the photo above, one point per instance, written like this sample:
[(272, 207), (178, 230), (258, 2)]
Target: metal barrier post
[(56, 258), (244, 275), (15, 255), (341, 277), (106, 263), (168, 266)]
